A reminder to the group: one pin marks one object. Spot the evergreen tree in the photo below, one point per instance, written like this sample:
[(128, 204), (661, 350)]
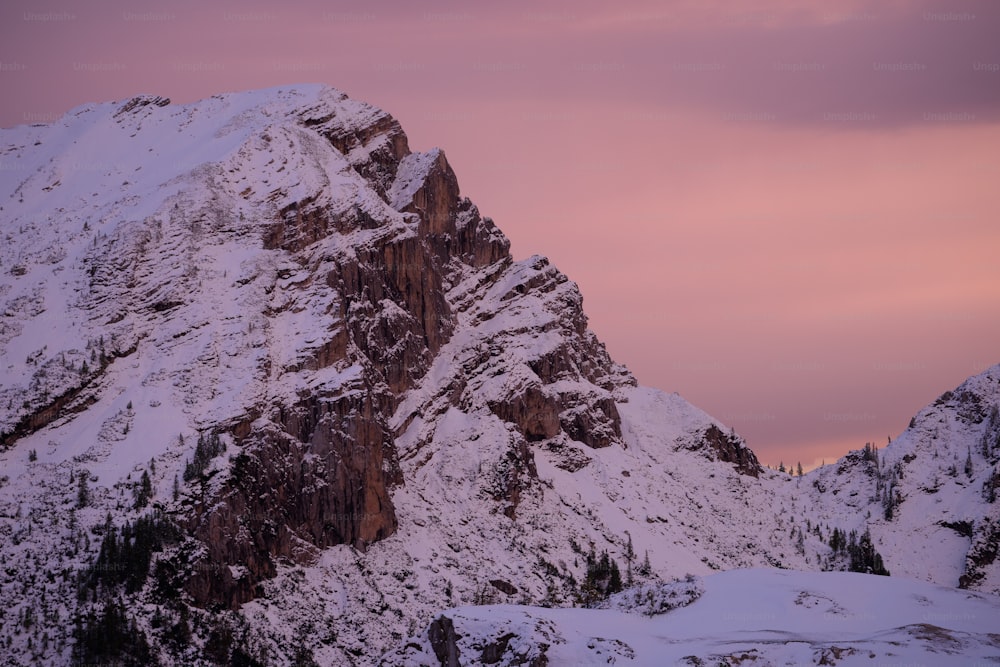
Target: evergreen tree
[(798, 469), (614, 579), (629, 557), (82, 490), (837, 542), (144, 492), (645, 569)]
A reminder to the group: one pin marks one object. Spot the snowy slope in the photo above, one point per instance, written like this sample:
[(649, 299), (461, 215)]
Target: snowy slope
[(690, 514), (944, 525), (411, 419), (760, 617)]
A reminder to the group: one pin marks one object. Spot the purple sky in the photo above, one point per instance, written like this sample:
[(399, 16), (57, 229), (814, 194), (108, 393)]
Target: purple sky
[(787, 212)]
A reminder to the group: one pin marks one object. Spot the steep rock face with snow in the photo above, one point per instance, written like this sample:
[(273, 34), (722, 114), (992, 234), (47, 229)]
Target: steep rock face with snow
[(277, 273), (263, 324)]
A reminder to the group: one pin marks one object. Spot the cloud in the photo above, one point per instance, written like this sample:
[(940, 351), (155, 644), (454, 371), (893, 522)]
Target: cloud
[(769, 206), (861, 65)]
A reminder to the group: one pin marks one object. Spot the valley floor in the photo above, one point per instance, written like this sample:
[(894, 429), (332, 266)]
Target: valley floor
[(754, 616)]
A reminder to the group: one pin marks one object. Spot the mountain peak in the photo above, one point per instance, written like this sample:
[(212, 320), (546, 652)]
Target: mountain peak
[(260, 337)]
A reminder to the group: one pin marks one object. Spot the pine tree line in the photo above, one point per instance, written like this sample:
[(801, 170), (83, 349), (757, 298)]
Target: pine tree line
[(206, 450), (124, 556), (602, 574), (603, 577), (104, 634), (861, 552), (108, 637)]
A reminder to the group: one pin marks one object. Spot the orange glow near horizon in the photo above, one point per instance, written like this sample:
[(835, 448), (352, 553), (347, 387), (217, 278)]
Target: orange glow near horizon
[(788, 213)]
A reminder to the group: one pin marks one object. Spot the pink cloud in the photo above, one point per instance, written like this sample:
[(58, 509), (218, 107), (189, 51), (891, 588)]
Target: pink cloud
[(772, 210)]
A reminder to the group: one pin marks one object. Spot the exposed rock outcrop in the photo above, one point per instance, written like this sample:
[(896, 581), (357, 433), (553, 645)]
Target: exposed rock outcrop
[(727, 447), (444, 641), (320, 479)]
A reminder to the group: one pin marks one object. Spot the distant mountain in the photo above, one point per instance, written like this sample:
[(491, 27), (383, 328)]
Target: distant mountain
[(929, 496), (272, 390)]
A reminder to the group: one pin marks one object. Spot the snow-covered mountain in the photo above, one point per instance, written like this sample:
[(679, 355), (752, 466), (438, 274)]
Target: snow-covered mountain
[(929, 496), (272, 389)]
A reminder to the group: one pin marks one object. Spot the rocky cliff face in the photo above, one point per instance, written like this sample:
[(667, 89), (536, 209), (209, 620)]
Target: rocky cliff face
[(316, 470), (401, 417), (276, 271)]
